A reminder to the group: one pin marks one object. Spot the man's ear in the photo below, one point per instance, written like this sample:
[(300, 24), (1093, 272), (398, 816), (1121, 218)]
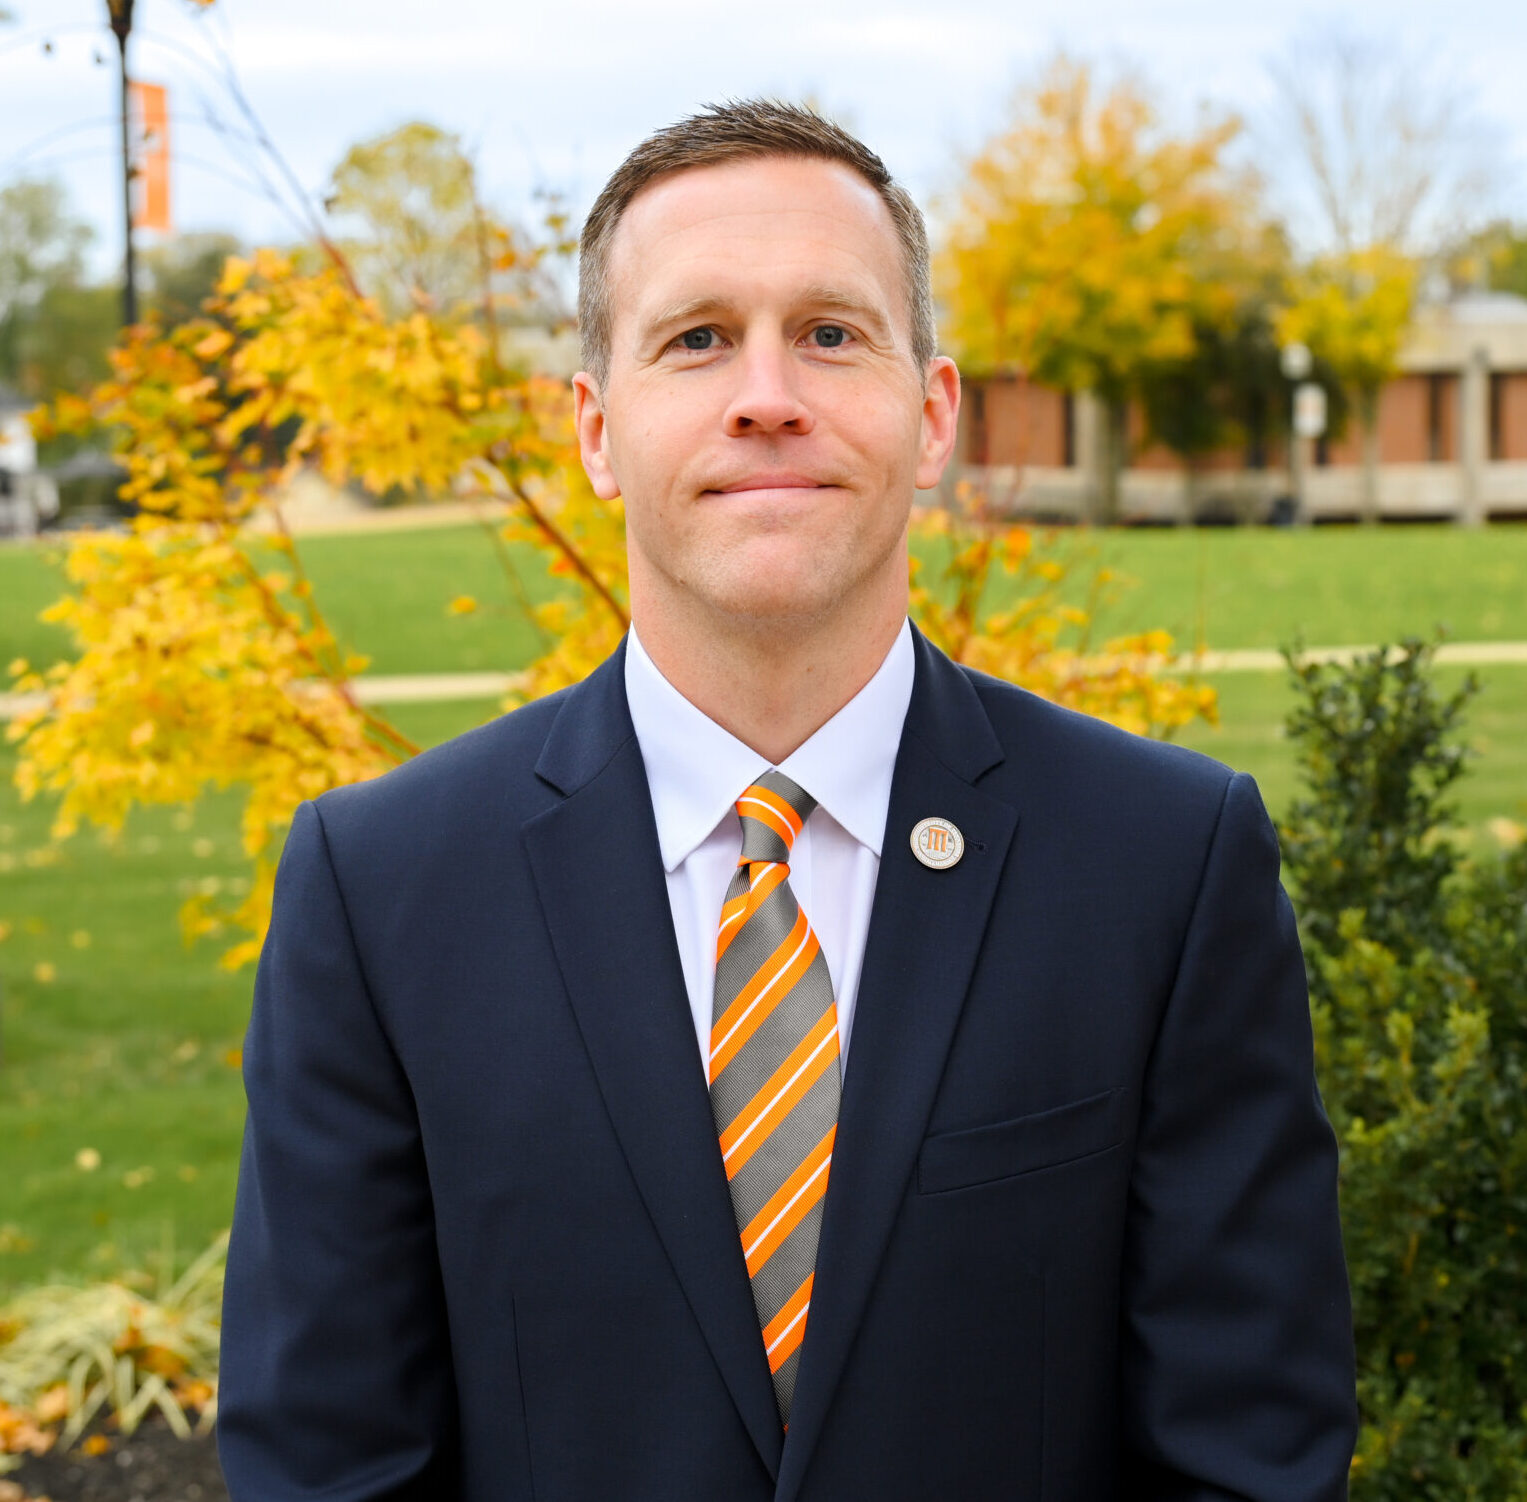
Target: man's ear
[(941, 416), (588, 418)]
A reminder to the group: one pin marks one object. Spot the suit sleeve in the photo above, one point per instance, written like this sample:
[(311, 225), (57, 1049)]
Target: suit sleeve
[(1237, 1364), (335, 1371)]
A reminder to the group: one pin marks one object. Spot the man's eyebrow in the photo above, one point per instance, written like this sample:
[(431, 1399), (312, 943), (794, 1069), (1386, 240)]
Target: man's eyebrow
[(837, 300), (685, 310), (821, 297)]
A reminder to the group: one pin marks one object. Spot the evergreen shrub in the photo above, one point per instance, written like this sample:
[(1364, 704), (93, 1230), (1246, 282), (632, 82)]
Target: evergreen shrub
[(1417, 957)]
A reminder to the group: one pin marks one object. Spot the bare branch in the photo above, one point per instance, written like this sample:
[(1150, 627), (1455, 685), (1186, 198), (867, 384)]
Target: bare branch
[(1371, 143)]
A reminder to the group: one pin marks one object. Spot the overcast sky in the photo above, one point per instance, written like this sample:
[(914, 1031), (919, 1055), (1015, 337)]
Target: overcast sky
[(553, 94)]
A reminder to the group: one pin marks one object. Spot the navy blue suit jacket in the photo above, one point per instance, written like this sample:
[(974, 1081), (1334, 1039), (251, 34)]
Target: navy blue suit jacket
[(1080, 1239)]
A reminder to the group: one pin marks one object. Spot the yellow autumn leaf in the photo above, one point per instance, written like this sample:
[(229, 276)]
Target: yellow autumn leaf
[(236, 273), (212, 344)]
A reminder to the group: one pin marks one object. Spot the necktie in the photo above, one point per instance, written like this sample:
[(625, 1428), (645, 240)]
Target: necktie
[(774, 1077)]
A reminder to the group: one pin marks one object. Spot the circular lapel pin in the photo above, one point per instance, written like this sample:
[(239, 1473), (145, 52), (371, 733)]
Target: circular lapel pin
[(937, 843)]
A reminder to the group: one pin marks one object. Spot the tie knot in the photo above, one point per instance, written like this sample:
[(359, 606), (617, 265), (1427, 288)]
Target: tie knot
[(772, 812)]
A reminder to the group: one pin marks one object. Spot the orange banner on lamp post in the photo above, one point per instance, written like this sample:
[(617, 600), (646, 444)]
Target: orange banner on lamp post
[(151, 156)]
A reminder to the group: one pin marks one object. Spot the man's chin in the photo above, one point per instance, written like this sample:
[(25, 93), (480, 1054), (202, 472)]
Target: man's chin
[(764, 604)]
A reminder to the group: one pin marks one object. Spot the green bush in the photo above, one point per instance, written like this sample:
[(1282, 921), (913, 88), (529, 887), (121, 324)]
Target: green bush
[(1417, 960)]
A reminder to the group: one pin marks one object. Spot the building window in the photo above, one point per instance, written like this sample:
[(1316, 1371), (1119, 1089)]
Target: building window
[(1497, 415), (979, 441), (1256, 431), (1436, 432), (1068, 429)]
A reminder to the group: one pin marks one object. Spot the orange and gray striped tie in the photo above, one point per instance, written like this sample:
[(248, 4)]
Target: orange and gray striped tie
[(774, 1078)]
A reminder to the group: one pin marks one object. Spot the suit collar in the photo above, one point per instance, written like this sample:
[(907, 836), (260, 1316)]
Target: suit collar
[(592, 724), (947, 715)]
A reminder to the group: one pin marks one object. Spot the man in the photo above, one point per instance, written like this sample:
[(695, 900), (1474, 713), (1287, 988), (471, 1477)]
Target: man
[(786, 1064)]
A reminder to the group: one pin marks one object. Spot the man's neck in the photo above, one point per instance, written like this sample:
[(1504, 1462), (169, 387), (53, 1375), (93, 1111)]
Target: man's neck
[(771, 687)]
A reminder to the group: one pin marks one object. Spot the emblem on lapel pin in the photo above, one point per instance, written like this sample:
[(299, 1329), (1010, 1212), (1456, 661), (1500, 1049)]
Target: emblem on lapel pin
[(937, 843)]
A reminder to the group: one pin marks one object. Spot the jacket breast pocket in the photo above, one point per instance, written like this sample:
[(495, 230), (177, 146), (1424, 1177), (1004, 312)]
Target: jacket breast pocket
[(1026, 1144)]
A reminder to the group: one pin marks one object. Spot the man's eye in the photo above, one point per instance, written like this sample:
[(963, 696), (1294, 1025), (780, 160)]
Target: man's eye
[(699, 339), (830, 336)]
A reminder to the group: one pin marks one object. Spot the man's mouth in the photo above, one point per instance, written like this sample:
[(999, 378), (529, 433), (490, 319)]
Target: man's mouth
[(767, 480)]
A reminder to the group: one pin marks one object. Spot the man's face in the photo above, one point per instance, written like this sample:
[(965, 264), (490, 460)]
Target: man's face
[(762, 416)]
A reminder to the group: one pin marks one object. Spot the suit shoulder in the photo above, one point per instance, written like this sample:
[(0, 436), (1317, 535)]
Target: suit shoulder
[(493, 763), (1102, 761)]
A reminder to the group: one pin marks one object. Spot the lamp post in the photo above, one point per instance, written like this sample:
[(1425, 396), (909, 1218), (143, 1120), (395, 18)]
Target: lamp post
[(1296, 360), (121, 14)]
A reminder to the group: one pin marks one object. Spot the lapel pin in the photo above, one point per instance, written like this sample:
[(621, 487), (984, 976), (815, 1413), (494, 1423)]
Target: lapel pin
[(937, 843)]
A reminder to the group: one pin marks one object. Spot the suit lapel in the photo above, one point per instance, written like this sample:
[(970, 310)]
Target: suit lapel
[(600, 877), (926, 928)]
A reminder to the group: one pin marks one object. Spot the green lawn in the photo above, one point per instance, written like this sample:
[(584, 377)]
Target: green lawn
[(124, 1050), (1334, 585), (1250, 738), (119, 1044), (386, 592)]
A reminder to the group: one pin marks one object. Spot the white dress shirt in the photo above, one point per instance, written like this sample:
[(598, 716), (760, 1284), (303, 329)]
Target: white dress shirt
[(696, 772)]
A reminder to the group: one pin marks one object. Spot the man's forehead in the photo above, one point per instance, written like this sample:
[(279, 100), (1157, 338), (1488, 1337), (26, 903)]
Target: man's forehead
[(821, 208), (754, 178)]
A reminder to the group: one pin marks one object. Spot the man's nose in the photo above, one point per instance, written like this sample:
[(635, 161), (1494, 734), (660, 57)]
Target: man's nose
[(768, 398)]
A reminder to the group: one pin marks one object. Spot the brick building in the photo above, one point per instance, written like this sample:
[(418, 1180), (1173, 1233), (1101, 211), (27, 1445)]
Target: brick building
[(1452, 431)]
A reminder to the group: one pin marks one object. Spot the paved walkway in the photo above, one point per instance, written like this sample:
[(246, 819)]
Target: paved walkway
[(370, 688), (1260, 660), (418, 688)]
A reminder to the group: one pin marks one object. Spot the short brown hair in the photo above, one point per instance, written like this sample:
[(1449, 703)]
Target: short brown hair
[(732, 132)]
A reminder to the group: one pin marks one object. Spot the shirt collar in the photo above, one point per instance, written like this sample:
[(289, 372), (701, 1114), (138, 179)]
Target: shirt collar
[(696, 769)]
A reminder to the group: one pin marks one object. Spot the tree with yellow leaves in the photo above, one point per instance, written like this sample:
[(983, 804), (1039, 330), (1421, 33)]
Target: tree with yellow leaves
[(1352, 311), (1087, 244), (197, 669)]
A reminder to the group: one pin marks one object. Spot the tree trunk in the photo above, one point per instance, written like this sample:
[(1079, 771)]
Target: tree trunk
[(1115, 450)]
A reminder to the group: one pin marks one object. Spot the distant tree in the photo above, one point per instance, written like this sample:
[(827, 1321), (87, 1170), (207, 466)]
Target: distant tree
[(418, 235), (1352, 311), (1230, 391), (63, 343), (411, 195), (183, 272), (55, 329), (42, 247), (1089, 245), (1374, 144), (1508, 266), (1494, 258)]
